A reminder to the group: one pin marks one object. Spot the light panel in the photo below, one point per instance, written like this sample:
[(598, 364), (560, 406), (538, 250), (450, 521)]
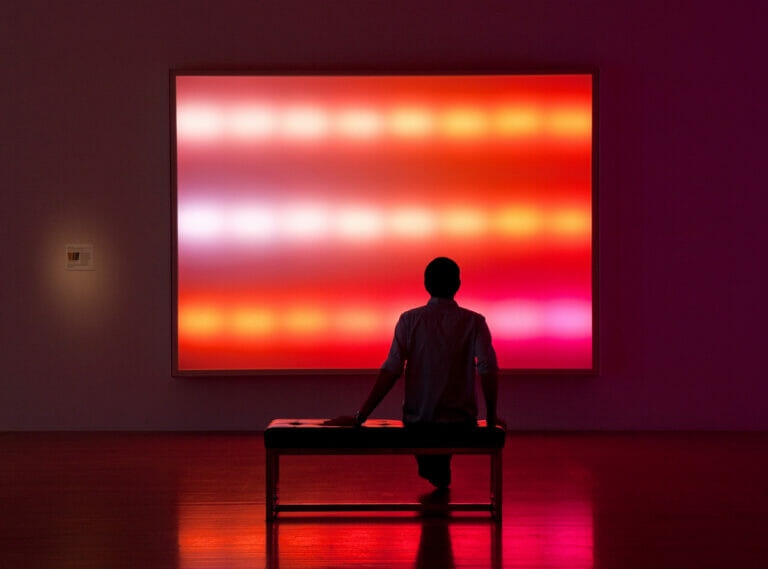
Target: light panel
[(308, 207)]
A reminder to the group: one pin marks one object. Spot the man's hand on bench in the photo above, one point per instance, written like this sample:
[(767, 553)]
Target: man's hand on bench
[(351, 421), (496, 421), (341, 421)]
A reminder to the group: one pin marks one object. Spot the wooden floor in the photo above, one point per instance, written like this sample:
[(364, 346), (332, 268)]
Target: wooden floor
[(197, 501)]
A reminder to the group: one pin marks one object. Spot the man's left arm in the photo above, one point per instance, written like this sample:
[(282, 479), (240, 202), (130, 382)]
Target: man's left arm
[(384, 383), (390, 371)]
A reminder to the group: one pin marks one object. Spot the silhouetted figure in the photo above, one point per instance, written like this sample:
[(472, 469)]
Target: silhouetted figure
[(441, 347)]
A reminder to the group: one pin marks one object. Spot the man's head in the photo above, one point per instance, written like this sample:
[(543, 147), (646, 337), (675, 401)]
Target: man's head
[(441, 278)]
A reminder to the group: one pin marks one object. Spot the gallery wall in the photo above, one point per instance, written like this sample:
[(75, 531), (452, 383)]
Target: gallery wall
[(84, 158)]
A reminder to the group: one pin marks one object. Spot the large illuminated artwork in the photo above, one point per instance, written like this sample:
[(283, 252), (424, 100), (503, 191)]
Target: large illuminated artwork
[(308, 206)]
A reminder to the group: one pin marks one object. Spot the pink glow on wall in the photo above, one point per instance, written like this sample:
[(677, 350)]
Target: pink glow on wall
[(307, 208)]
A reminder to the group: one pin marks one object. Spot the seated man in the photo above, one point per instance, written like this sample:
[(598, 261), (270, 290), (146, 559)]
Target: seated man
[(441, 346)]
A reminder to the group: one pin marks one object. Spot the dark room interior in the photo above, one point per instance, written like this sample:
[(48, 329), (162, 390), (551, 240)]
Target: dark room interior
[(659, 459)]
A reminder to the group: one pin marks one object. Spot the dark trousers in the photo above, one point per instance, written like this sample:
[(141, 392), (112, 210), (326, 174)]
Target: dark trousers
[(436, 468)]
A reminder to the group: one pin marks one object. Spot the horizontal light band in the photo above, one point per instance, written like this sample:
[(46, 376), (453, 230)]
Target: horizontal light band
[(250, 223), (209, 121), (508, 320)]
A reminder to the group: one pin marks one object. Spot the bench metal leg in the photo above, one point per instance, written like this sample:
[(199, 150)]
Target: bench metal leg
[(496, 500), (273, 541), (273, 483), (496, 545)]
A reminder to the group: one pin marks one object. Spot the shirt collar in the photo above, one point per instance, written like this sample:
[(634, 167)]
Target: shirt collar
[(443, 301)]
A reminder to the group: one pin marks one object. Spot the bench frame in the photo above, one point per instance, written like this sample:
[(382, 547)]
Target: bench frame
[(273, 506)]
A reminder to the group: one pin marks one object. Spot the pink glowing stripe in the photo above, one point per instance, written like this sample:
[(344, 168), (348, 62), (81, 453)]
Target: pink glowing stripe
[(247, 222), (508, 320), (568, 319), (211, 121), (554, 318)]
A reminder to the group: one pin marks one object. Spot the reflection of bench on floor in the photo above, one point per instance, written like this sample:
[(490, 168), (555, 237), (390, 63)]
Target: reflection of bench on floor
[(310, 436)]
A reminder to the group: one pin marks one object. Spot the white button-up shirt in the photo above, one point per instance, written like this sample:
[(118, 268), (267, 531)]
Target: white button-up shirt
[(441, 346)]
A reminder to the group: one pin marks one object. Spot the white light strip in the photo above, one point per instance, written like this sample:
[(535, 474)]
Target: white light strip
[(253, 223), (208, 121)]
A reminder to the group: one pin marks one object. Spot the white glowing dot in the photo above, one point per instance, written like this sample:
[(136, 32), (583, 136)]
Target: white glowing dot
[(359, 123), (251, 122), (252, 223), (411, 122), (199, 223), (304, 123), (413, 222), (305, 222), (359, 223), (198, 121)]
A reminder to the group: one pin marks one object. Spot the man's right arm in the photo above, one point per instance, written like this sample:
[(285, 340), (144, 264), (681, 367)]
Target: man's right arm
[(490, 384), (488, 367)]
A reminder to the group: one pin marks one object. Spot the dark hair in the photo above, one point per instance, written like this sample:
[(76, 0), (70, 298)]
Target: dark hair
[(441, 277)]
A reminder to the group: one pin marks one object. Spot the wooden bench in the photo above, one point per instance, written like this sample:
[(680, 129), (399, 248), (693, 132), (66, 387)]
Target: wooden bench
[(378, 436)]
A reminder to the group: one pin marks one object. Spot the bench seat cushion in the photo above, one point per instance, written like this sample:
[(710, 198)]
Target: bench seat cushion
[(378, 433)]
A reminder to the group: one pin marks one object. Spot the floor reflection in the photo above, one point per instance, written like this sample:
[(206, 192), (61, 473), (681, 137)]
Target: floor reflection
[(217, 535), (555, 535), (548, 518), (435, 548), (570, 502), (406, 542)]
